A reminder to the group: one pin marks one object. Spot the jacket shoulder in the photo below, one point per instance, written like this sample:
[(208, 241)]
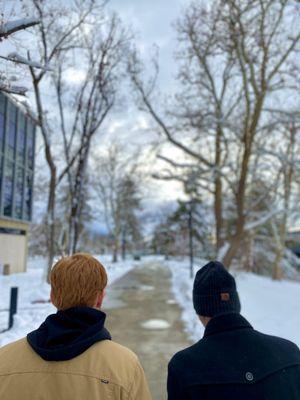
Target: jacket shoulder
[(280, 347), (11, 353), (106, 359), (113, 349), (182, 357), (263, 355), (278, 341)]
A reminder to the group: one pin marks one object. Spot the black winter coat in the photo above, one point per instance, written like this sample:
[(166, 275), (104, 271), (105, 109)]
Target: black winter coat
[(234, 362)]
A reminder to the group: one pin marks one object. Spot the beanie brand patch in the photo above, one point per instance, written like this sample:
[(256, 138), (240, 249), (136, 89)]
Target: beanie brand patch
[(225, 296)]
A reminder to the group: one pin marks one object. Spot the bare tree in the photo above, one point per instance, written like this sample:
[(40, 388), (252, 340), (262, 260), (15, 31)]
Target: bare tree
[(287, 158), (102, 52), (116, 186), (58, 33), (235, 57), (9, 25), (263, 47)]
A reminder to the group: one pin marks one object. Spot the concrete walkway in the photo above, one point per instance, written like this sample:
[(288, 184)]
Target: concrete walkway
[(145, 294)]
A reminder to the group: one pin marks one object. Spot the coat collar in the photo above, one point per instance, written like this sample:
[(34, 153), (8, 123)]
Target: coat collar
[(226, 322)]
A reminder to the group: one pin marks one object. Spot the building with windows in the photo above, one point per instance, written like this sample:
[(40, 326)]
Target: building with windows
[(17, 143)]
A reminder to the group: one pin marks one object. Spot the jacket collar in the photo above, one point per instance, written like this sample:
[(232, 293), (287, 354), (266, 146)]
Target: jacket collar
[(226, 322), (68, 333)]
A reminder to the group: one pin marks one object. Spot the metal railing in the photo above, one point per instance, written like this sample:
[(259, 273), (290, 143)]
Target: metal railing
[(12, 310)]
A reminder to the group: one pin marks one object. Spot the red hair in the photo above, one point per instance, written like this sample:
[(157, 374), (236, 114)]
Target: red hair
[(76, 281)]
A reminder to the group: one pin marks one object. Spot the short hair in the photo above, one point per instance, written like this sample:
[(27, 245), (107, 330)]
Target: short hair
[(76, 281)]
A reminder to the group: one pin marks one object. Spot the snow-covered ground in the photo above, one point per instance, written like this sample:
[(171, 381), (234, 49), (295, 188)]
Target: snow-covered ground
[(34, 293), (271, 307)]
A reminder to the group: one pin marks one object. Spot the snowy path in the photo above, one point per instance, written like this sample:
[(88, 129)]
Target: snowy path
[(142, 314)]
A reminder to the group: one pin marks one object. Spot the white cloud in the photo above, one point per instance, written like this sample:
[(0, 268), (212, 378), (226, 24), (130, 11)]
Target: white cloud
[(74, 75)]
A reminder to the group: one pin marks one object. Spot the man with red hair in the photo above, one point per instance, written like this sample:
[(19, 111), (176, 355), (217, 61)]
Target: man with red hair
[(71, 355)]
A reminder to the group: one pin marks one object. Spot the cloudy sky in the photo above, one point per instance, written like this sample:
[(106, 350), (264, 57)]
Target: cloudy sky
[(151, 21)]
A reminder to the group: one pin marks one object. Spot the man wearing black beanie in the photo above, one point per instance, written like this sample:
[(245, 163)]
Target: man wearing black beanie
[(232, 361)]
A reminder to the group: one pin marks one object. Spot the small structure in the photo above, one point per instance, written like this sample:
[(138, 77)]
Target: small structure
[(17, 144)]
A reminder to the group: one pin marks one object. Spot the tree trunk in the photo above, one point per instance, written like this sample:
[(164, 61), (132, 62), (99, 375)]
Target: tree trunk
[(218, 200), (248, 139), (249, 262), (115, 250), (53, 171), (51, 222), (277, 270), (287, 183), (218, 214), (76, 198), (233, 248), (123, 245)]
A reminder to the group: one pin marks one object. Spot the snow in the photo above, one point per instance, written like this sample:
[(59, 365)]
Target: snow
[(18, 24), (7, 87), (22, 60), (156, 324), (147, 288), (34, 294), (171, 301), (271, 307), (263, 219)]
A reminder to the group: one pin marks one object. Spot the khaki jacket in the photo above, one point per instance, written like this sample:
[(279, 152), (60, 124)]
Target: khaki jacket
[(106, 371)]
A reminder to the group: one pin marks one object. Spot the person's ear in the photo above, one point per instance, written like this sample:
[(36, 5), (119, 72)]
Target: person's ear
[(99, 299), (204, 320)]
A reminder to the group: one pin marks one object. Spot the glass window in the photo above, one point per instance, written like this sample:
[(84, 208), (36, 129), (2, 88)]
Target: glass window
[(21, 138), (2, 103), (28, 196), (11, 138), (2, 119), (8, 188), (19, 193), (1, 169), (1, 130), (16, 169), (12, 112), (30, 144)]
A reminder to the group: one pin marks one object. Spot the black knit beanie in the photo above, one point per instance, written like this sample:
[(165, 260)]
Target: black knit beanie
[(215, 291)]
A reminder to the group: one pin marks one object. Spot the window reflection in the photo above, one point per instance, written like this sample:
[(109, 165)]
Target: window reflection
[(1, 169), (21, 139), (17, 137), (8, 188), (2, 120), (30, 145), (28, 196), (19, 193), (12, 130), (1, 130)]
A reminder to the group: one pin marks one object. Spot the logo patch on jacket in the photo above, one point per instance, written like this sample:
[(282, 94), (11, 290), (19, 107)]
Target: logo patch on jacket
[(104, 381), (225, 296)]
